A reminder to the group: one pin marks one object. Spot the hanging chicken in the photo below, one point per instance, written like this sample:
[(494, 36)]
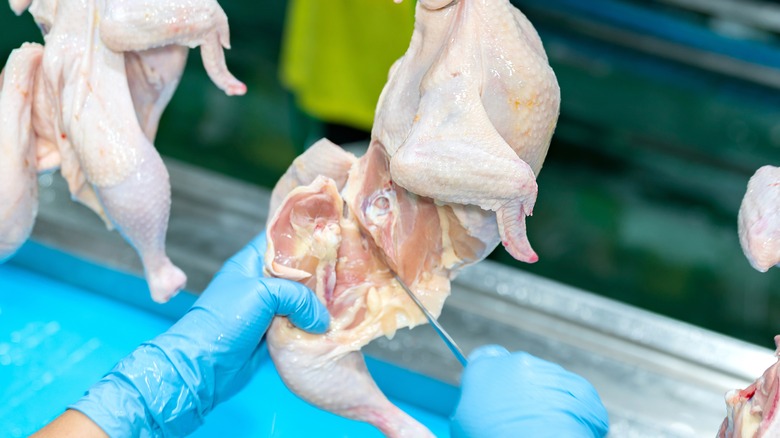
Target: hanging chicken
[(88, 102)]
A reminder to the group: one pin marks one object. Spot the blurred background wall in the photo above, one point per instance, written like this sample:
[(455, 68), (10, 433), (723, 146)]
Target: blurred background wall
[(668, 107)]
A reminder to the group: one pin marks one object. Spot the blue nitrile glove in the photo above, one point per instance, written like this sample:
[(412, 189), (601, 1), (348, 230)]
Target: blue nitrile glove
[(166, 386), (520, 395)]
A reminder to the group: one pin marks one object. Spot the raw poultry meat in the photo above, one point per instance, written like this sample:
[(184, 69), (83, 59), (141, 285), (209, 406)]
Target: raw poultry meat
[(338, 238), (89, 102), (468, 112), (461, 129), (19, 196), (759, 219), (752, 411)]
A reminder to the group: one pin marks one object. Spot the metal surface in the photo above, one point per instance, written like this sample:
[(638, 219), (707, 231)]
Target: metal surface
[(759, 14), (448, 341), (655, 45), (657, 377)]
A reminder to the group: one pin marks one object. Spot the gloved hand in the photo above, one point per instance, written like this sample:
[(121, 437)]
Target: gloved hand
[(520, 395), (166, 386)]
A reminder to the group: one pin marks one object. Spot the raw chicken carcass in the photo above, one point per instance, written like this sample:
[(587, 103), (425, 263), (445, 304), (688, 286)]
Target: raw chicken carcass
[(468, 113), (462, 127), (759, 219), (94, 96), (339, 238), (752, 412)]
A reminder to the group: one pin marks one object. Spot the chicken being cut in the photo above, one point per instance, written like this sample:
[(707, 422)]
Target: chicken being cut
[(339, 236), (96, 92), (461, 129), (752, 412), (759, 219)]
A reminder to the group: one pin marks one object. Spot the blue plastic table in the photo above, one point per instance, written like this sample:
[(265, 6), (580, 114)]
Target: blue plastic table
[(64, 322)]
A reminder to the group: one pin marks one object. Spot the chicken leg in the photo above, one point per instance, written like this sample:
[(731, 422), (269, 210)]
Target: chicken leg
[(97, 119)]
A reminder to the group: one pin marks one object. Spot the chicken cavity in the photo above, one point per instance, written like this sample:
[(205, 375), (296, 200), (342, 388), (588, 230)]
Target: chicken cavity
[(339, 239)]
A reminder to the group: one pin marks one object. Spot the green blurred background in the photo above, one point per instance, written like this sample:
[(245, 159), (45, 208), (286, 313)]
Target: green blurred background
[(666, 112)]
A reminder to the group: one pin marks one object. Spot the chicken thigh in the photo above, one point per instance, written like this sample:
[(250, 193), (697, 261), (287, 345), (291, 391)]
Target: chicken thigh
[(108, 69), (461, 128)]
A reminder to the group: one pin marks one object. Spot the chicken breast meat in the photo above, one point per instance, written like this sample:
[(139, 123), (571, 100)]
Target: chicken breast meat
[(461, 130)]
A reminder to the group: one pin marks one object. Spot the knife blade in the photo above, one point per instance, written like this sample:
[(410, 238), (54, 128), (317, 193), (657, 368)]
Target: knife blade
[(434, 323)]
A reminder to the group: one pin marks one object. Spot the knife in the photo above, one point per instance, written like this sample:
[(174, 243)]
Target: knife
[(434, 323)]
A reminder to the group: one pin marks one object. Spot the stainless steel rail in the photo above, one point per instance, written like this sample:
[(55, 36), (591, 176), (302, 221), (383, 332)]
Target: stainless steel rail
[(658, 47), (759, 14), (657, 376)]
